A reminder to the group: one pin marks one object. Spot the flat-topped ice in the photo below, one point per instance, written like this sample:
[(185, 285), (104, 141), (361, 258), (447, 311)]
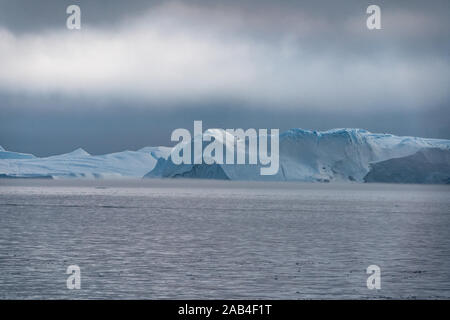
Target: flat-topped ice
[(334, 155)]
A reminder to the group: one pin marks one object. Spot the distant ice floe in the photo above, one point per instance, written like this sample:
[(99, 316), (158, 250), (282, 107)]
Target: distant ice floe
[(80, 164)]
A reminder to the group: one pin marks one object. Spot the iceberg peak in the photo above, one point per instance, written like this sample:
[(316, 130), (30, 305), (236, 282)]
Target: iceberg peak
[(157, 152), (78, 152)]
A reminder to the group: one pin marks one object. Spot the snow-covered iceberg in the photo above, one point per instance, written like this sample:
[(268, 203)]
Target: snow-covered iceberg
[(80, 164), (333, 155)]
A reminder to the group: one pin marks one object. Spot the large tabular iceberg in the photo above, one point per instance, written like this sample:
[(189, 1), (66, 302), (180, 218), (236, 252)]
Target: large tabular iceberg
[(334, 155)]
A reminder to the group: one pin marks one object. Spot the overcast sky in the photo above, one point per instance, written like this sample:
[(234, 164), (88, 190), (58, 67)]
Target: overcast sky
[(139, 69)]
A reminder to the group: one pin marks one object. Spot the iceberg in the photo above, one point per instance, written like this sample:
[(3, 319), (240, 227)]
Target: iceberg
[(312, 156), (14, 155), (354, 155), (425, 166), (80, 164), (157, 152)]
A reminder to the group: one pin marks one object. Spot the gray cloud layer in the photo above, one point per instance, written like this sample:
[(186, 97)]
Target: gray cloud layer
[(269, 57)]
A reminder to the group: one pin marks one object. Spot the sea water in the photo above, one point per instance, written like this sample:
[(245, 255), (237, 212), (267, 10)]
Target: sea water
[(184, 239)]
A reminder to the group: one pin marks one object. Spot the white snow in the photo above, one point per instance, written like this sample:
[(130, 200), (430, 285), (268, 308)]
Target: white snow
[(80, 164), (157, 152)]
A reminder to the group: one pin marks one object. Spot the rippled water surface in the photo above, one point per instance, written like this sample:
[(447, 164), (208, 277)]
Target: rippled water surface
[(235, 240)]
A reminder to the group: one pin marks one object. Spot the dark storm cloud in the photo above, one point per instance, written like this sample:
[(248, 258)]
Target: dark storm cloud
[(286, 54), (412, 26), (138, 69), (21, 16), (264, 15)]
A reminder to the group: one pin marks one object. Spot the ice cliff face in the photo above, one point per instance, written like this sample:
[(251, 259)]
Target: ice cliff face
[(334, 155), (430, 165), (13, 155), (342, 154)]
